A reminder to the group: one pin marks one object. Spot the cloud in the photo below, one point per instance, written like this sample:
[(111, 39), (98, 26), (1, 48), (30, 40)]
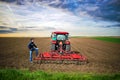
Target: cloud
[(36, 28), (44, 18), (4, 29), (113, 26), (49, 28)]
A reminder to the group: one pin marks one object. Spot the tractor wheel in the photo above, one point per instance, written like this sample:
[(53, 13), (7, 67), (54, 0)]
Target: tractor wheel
[(52, 47), (68, 47)]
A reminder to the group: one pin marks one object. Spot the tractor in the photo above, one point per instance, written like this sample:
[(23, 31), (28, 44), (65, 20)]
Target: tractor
[(60, 42), (61, 51)]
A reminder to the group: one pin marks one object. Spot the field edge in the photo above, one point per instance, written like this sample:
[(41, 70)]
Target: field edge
[(10, 74)]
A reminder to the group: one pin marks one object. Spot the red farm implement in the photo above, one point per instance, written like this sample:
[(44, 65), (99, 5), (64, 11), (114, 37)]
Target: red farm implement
[(61, 51)]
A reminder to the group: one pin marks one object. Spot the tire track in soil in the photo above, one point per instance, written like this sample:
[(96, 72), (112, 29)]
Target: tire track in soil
[(99, 57), (94, 50)]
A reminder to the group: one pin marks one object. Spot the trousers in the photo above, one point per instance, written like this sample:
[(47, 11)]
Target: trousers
[(31, 51)]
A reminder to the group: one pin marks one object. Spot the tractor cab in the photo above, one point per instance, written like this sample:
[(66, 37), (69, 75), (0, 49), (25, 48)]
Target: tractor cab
[(59, 36)]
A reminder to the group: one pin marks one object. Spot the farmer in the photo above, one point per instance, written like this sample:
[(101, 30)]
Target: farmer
[(32, 47)]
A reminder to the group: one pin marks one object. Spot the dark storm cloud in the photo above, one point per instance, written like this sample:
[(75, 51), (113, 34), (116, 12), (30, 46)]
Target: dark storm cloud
[(4, 29), (8, 0), (113, 26), (107, 9), (110, 10)]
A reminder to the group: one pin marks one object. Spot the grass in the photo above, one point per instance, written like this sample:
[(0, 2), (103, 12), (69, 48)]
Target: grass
[(108, 39), (13, 74)]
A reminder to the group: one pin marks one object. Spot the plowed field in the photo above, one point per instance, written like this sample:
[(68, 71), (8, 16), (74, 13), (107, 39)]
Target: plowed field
[(104, 57)]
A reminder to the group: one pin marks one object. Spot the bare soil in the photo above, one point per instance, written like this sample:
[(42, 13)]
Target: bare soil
[(104, 57)]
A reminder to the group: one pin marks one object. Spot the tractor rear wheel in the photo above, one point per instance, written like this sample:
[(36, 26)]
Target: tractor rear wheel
[(68, 47), (52, 47)]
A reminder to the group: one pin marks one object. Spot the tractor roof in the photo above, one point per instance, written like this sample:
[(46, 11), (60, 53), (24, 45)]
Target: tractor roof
[(58, 32)]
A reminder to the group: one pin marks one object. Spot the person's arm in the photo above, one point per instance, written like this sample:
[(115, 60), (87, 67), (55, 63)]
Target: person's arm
[(35, 45)]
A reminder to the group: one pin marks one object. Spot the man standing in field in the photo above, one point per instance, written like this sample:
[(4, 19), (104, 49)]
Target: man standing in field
[(32, 47)]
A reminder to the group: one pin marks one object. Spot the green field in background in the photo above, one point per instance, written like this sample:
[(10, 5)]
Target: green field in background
[(14, 74), (108, 39)]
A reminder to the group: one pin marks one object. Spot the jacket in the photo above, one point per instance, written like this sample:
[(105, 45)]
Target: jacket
[(32, 45)]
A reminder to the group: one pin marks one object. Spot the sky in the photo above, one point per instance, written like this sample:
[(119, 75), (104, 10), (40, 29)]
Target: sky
[(38, 18)]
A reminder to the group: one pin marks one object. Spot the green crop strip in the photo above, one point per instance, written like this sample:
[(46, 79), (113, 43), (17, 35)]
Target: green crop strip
[(108, 39), (14, 74)]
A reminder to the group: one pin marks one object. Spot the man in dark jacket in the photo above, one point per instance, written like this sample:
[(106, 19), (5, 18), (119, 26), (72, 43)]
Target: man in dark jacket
[(32, 47)]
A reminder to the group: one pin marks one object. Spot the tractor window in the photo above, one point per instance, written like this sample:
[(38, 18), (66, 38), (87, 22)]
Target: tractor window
[(67, 36), (61, 37), (53, 36)]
